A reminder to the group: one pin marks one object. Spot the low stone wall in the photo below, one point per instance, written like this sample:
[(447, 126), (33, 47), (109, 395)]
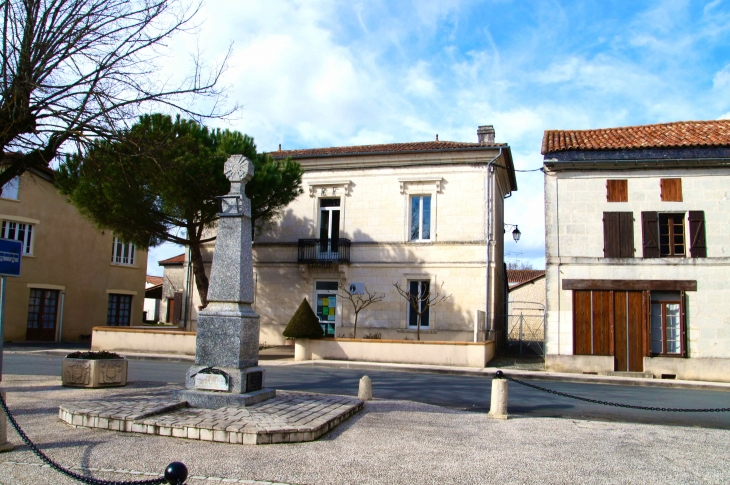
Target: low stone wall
[(461, 354), (579, 364), (717, 370), (143, 340)]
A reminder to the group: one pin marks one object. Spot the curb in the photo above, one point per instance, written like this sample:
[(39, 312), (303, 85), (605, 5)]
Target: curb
[(524, 374)]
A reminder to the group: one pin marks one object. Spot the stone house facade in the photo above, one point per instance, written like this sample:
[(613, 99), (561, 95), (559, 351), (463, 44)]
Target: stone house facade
[(637, 248), (415, 214), (73, 277)]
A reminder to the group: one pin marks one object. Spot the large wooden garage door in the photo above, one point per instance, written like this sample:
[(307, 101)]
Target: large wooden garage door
[(611, 323), (629, 325)]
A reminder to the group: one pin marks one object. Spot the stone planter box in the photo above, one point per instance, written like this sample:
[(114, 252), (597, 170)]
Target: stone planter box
[(94, 372)]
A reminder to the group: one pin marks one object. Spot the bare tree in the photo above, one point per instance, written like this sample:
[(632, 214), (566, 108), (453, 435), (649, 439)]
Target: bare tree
[(422, 301), (518, 265), (360, 302), (76, 70)]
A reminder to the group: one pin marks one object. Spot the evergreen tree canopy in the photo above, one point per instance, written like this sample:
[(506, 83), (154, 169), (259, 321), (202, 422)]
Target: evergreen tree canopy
[(304, 323), (158, 182)]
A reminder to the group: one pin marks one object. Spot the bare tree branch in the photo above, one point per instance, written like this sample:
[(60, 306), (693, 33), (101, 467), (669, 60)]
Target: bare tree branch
[(359, 302), (76, 70)]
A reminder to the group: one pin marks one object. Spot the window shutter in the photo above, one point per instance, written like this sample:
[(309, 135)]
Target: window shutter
[(671, 190), (617, 190), (649, 229), (618, 235), (626, 234), (611, 235), (698, 245)]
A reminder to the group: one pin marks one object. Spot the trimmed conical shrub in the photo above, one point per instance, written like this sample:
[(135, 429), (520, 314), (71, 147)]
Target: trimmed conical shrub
[(304, 323)]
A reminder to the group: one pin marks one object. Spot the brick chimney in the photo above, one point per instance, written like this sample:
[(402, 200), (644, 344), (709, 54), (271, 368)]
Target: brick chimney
[(486, 135)]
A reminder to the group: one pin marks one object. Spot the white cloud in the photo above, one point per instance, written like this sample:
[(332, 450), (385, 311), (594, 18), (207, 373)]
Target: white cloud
[(721, 78)]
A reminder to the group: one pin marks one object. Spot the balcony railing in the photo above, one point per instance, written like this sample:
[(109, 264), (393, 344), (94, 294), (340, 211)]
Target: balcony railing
[(324, 251)]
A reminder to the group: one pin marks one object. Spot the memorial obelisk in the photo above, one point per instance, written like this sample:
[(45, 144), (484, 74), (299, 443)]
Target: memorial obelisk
[(226, 370)]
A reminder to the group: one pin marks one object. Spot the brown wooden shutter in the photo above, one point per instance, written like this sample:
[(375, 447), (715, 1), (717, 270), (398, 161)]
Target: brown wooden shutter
[(626, 232), (618, 235), (649, 230), (698, 245), (611, 235), (177, 309), (617, 190), (671, 190)]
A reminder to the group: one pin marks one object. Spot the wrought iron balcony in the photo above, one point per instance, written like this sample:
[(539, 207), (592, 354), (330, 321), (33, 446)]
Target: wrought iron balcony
[(324, 251)]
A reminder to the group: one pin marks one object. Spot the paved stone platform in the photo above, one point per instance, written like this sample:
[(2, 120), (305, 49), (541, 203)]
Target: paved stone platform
[(290, 417)]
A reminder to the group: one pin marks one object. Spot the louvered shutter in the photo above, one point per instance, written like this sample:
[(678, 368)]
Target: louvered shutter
[(649, 236), (611, 235), (626, 234), (698, 245)]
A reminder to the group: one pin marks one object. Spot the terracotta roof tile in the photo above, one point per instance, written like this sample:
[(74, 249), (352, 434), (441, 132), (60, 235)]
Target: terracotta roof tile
[(680, 134), (384, 148), (179, 259), (518, 276), (154, 280)]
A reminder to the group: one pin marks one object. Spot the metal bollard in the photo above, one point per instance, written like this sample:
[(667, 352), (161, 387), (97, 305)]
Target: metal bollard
[(365, 392), (498, 406), (176, 473), (5, 445)]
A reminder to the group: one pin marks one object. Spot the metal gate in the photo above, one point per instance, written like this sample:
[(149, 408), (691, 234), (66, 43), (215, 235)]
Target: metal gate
[(526, 328)]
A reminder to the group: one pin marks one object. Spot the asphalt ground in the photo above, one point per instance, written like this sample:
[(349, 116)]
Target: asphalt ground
[(390, 442), (464, 393)]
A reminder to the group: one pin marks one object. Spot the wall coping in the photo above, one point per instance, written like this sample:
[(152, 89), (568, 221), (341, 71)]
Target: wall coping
[(141, 330), (382, 341)]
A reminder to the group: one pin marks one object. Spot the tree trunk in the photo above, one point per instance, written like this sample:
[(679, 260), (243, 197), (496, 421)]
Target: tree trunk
[(418, 327), (354, 334), (201, 280)]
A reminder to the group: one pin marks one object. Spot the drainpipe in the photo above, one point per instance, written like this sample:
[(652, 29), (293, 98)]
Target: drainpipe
[(60, 320), (488, 194)]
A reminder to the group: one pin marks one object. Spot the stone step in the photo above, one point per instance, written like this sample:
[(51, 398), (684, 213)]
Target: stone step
[(641, 375)]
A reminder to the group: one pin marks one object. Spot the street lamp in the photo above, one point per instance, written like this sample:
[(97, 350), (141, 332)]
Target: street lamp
[(516, 233)]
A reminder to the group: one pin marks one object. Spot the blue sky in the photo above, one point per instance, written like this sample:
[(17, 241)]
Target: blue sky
[(319, 73)]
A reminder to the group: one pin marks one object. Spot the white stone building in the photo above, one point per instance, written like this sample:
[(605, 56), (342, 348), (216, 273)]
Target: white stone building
[(412, 213), (637, 250)]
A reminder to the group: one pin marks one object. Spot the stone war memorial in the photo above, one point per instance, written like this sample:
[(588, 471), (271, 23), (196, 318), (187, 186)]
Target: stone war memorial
[(225, 397)]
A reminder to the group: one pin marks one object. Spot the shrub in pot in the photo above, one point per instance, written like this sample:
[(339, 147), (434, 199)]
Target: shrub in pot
[(303, 325), (94, 369)]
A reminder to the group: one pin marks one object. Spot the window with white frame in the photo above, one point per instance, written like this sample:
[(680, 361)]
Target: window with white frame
[(123, 253), (20, 232), (418, 298), (10, 190), (420, 218)]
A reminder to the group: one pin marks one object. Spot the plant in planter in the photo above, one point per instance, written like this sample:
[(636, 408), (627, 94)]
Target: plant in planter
[(94, 369), (303, 325)]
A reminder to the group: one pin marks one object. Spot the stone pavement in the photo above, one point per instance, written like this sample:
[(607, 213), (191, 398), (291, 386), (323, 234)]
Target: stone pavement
[(290, 417), (389, 442)]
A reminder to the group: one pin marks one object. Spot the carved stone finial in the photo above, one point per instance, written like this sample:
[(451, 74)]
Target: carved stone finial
[(238, 168)]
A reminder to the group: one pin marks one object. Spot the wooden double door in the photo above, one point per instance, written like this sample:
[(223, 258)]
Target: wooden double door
[(612, 323)]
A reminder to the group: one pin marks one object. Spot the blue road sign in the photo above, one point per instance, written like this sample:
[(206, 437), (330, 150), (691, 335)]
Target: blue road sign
[(10, 256)]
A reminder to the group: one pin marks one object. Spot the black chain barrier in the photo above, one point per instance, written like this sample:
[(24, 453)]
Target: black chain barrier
[(175, 474), (500, 375)]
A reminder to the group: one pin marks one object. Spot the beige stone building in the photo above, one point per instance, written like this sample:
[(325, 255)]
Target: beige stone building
[(72, 276), (416, 214), (638, 246)]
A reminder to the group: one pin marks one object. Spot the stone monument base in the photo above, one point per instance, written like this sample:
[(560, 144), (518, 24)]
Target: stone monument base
[(215, 400), (240, 381)]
